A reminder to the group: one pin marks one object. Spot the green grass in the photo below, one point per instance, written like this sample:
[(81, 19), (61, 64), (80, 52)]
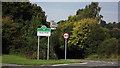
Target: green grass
[(12, 59), (103, 59), (96, 57)]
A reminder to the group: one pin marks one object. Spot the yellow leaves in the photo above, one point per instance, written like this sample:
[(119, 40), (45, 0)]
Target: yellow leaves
[(6, 20), (81, 31), (69, 41), (87, 22), (80, 46)]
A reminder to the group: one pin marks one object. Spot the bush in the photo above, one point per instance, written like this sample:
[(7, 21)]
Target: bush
[(93, 56), (109, 48)]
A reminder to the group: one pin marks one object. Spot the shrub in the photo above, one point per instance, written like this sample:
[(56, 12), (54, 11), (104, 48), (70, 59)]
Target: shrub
[(109, 48)]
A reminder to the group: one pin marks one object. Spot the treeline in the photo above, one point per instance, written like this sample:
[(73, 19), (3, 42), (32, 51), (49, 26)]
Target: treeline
[(89, 34), (20, 21)]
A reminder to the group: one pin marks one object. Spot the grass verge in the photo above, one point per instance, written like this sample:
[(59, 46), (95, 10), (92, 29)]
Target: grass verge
[(103, 59), (12, 59), (96, 57)]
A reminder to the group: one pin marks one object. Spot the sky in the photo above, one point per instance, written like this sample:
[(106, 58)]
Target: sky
[(74, 0), (61, 10)]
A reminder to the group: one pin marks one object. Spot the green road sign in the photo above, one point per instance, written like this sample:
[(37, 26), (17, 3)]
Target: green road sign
[(43, 31), (44, 28)]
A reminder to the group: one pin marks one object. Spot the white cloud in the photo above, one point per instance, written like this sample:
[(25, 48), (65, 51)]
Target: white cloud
[(74, 0)]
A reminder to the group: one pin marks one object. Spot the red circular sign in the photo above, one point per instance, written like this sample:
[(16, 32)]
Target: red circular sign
[(66, 35)]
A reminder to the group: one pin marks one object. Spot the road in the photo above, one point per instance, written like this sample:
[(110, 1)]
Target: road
[(91, 63), (86, 64)]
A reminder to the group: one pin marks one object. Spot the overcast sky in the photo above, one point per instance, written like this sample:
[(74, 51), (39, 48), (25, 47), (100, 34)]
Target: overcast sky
[(61, 10), (74, 0)]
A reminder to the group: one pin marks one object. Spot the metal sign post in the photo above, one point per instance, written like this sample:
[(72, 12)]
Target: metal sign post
[(43, 31), (66, 36), (38, 48), (65, 48), (48, 49)]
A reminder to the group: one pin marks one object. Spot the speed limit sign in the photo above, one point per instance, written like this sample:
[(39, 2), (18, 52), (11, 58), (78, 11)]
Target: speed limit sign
[(66, 35)]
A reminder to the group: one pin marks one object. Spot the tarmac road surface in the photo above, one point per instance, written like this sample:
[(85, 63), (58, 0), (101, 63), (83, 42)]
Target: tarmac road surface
[(91, 63), (85, 64)]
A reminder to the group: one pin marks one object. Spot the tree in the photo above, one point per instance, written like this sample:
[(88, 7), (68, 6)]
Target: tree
[(103, 23), (109, 48), (10, 34), (90, 11), (80, 32), (115, 33), (79, 27), (118, 25), (20, 22), (96, 36)]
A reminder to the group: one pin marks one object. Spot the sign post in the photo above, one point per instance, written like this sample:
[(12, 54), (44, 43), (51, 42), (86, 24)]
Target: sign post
[(65, 48), (48, 49), (43, 31), (38, 48), (66, 36)]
